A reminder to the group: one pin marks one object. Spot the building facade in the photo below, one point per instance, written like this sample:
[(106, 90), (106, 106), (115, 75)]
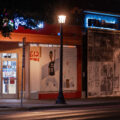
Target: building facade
[(41, 71), (91, 59), (102, 43)]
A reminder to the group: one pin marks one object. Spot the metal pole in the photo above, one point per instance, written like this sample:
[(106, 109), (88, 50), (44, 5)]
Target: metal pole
[(23, 65), (60, 99)]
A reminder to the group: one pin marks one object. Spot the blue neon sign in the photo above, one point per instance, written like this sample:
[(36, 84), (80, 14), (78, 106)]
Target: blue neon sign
[(101, 21), (29, 23)]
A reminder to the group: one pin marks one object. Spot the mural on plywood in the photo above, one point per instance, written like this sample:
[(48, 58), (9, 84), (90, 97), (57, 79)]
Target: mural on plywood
[(103, 63), (48, 67), (50, 70)]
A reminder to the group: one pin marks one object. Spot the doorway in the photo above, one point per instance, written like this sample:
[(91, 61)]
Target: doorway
[(8, 76)]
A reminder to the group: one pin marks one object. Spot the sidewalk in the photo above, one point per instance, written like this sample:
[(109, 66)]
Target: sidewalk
[(15, 104)]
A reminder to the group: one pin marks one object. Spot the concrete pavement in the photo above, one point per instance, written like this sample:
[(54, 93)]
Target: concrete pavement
[(15, 104)]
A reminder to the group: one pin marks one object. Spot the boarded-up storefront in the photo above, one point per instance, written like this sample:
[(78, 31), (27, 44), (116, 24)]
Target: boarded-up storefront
[(103, 63)]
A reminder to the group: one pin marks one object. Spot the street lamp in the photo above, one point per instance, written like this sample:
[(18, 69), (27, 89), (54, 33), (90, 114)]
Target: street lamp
[(60, 99)]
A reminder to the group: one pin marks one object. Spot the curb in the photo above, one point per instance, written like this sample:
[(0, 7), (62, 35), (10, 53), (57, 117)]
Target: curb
[(72, 105), (8, 108)]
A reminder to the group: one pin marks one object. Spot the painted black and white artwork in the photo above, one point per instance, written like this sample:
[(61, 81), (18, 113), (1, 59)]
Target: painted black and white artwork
[(103, 68), (44, 74)]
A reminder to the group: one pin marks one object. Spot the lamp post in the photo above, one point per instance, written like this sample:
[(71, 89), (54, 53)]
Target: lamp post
[(60, 99), (23, 67)]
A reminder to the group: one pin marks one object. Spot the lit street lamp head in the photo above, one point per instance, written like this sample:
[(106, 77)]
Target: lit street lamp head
[(61, 18)]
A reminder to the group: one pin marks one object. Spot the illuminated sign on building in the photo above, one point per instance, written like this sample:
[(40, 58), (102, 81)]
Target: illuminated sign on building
[(101, 21), (29, 23)]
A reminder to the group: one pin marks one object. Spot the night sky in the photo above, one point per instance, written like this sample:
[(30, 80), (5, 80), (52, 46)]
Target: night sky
[(38, 5), (48, 8)]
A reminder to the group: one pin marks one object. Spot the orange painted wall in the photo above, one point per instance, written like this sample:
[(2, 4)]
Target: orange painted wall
[(48, 35)]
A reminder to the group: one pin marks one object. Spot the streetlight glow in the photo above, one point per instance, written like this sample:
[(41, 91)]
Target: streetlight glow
[(61, 18)]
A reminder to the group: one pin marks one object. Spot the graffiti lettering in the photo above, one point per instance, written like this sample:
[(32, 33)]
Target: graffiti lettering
[(34, 55)]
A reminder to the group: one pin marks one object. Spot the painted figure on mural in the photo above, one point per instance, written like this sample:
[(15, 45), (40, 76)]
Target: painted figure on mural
[(51, 69), (51, 81), (107, 79)]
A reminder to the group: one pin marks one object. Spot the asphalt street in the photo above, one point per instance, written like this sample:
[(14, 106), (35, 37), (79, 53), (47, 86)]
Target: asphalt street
[(109, 112)]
